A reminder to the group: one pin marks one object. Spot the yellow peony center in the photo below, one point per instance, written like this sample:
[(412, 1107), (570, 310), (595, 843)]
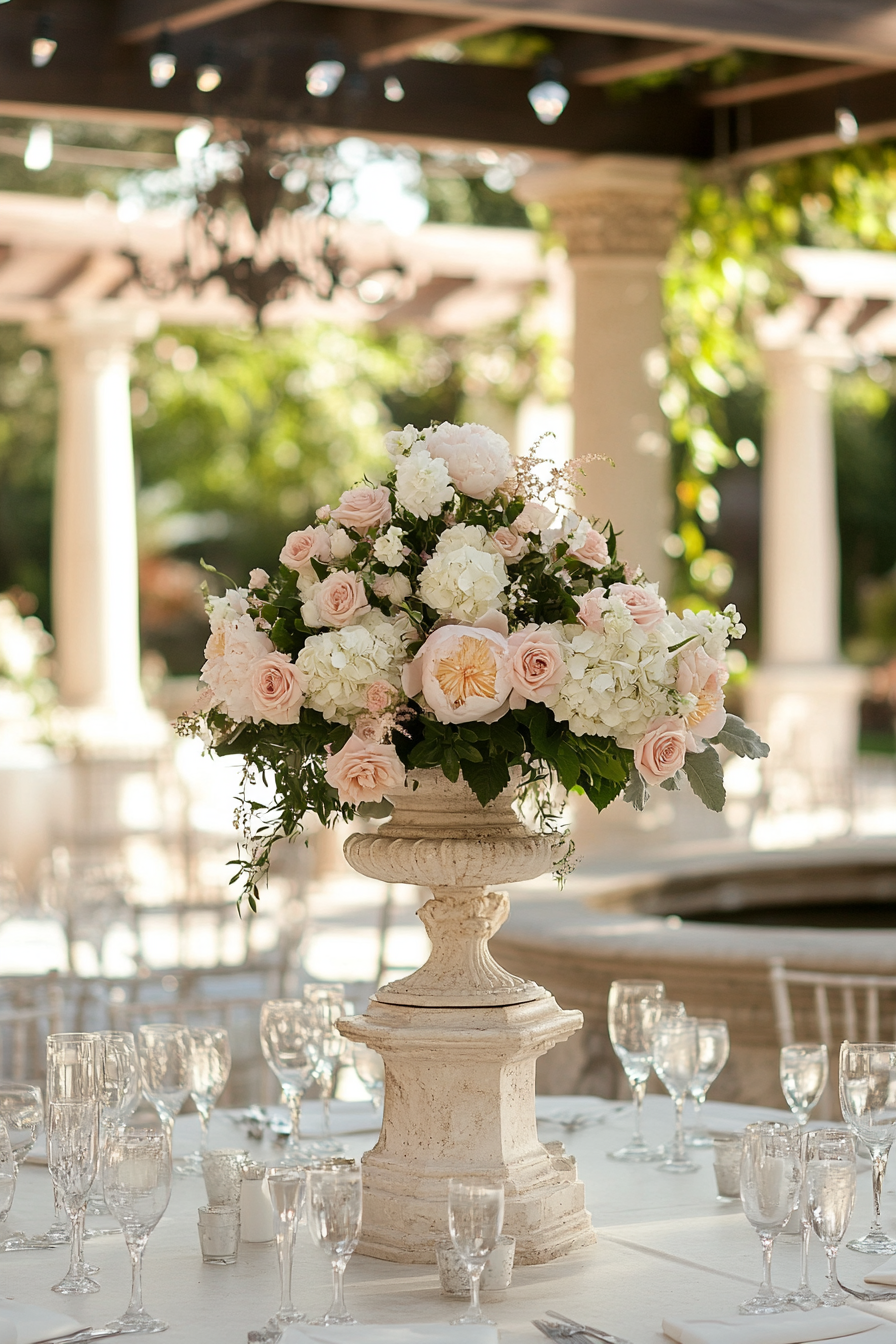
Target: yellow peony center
[(470, 669), (707, 702)]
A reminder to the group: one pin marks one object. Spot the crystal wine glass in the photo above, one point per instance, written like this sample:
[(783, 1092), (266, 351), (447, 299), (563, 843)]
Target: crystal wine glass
[(118, 1071), (769, 1179), (165, 1054), (8, 1173), (868, 1102), (713, 1048), (830, 1197), (675, 1058), (475, 1219), (288, 1029), (72, 1155), (334, 1221), (633, 1011), (22, 1113), (803, 1070), (72, 1075), (287, 1190), (371, 1070), (804, 1296), (330, 1046), (137, 1180), (209, 1071)]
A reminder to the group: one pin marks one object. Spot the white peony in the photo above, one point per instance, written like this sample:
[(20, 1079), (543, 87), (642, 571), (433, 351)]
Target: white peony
[(400, 441), (478, 459), (230, 653), (422, 484), (461, 580), (389, 548), (340, 665), (220, 610)]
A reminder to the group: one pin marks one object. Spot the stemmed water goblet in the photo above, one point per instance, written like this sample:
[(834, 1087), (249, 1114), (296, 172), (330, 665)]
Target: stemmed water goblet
[(371, 1070), (475, 1219), (287, 1190), (288, 1030), (72, 1076), (830, 1197), (675, 1056), (8, 1173), (769, 1179), (713, 1047), (868, 1102), (633, 1011), (803, 1070), (72, 1156), (165, 1067), (329, 1045), (137, 1180), (118, 1075), (209, 1070), (334, 1221), (22, 1113)]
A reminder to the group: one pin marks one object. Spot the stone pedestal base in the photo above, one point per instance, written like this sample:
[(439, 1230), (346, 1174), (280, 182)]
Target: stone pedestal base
[(460, 1102)]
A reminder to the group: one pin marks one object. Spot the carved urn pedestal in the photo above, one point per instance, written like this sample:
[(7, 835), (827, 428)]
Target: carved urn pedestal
[(460, 1037)]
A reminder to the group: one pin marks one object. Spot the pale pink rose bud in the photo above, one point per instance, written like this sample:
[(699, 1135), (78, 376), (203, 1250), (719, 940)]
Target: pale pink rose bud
[(508, 544), (341, 544), (380, 696), (323, 513), (591, 610), (645, 606), (368, 728), (300, 548), (277, 688), (341, 599), (363, 508), (364, 772), (534, 665), (534, 518), (593, 550), (661, 751), (259, 578)]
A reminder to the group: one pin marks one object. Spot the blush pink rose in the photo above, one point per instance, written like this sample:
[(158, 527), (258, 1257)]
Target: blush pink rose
[(593, 550), (647, 609), (535, 517), (380, 696), (591, 610), (703, 677), (300, 548), (341, 599), (534, 665), (363, 772), (508, 544), (278, 689), (363, 508), (661, 751), (259, 578)]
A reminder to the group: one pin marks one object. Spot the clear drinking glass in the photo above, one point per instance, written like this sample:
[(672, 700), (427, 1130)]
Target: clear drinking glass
[(475, 1219), (137, 1180), (371, 1070), (633, 1010), (72, 1076), (675, 1061), (118, 1072), (803, 1070), (804, 1296), (72, 1155), (8, 1173), (288, 1029), (22, 1113), (830, 1197), (769, 1180), (165, 1055), (287, 1191), (334, 1221), (328, 1044), (868, 1102), (713, 1048), (209, 1071)]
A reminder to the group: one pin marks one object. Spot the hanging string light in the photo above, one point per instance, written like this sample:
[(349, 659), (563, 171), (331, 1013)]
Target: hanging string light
[(43, 45), (393, 89), (209, 74), (162, 63), (323, 78), (549, 97)]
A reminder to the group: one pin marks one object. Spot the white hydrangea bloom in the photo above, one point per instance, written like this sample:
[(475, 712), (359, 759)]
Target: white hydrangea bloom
[(220, 610), (231, 650), (462, 534), (422, 484), (461, 580), (340, 664), (713, 628), (389, 548)]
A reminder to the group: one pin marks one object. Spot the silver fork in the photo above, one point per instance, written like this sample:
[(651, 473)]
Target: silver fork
[(863, 1296), (571, 1327)]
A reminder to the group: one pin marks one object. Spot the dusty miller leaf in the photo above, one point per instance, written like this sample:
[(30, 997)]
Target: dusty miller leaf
[(740, 739), (636, 791), (704, 772)]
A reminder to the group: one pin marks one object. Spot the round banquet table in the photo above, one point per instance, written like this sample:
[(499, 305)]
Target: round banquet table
[(665, 1246)]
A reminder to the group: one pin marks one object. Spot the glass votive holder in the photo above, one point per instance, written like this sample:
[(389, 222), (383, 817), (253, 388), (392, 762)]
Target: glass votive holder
[(727, 1150), (455, 1281), (222, 1171), (219, 1234)]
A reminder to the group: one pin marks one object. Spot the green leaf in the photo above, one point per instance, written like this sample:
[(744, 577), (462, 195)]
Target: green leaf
[(466, 752), (601, 792), (671, 785), (568, 765), (486, 780), (280, 637), (381, 809), (704, 772), (636, 791), (741, 740), (505, 736), (450, 764)]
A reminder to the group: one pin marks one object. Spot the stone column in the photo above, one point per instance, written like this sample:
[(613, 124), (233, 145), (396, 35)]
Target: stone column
[(618, 214)]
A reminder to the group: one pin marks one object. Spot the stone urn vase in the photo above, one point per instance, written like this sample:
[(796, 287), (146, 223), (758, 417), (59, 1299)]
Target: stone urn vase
[(460, 1037)]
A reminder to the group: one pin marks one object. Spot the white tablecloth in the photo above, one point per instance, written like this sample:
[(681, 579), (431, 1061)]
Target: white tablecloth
[(666, 1246)]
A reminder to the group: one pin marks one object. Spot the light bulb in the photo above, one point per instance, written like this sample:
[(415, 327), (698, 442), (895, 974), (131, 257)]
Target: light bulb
[(548, 100), (847, 126), (42, 51), (393, 89), (324, 78), (162, 63), (208, 77), (39, 150)]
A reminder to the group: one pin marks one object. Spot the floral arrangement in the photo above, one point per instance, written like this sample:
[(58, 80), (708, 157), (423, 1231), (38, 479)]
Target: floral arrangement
[(460, 616)]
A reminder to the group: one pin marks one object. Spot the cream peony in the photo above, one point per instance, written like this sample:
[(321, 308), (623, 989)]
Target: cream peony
[(340, 600), (592, 549), (300, 548), (509, 545), (478, 459), (363, 772), (661, 751), (363, 508), (462, 581), (278, 690), (700, 679), (422, 484), (340, 665), (591, 609), (535, 517), (647, 608), (461, 672), (534, 664), (231, 652), (394, 587)]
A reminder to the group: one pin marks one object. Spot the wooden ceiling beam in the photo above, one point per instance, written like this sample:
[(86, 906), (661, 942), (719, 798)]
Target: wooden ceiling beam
[(142, 20), (401, 50), (782, 86), (655, 62)]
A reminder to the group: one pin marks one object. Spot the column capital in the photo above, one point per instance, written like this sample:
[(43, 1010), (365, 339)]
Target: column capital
[(108, 325), (610, 204)]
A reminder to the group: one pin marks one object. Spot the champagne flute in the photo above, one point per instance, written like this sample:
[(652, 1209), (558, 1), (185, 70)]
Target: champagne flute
[(288, 1028), (868, 1102), (334, 1221), (72, 1075), (118, 1072), (22, 1114), (633, 1011), (371, 1070), (475, 1219), (675, 1056), (287, 1190), (165, 1052), (329, 1045), (769, 1179), (803, 1070), (137, 1180), (830, 1197), (209, 1071), (8, 1173), (72, 1154), (713, 1048)]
